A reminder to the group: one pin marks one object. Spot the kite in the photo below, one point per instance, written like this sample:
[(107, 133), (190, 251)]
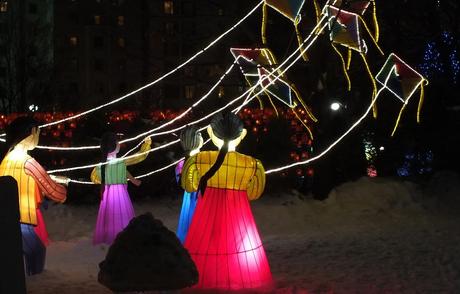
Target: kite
[(360, 7), (345, 27), (256, 65), (290, 9), (403, 81)]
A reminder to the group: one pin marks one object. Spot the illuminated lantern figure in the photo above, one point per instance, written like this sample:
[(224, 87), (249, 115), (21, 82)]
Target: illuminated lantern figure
[(33, 183), (223, 239), (345, 29), (191, 142), (116, 209), (256, 65), (403, 81)]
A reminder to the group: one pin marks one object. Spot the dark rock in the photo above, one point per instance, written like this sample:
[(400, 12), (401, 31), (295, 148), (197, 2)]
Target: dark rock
[(146, 256)]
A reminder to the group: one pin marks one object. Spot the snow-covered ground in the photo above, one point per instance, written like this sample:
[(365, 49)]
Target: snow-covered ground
[(369, 236)]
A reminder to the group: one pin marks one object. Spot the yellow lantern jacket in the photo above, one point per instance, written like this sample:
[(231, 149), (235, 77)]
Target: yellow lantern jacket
[(33, 182), (238, 172)]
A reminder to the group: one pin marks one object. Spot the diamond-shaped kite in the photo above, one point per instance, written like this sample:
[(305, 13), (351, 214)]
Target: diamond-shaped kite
[(345, 29), (290, 9), (256, 64), (403, 81), (359, 7)]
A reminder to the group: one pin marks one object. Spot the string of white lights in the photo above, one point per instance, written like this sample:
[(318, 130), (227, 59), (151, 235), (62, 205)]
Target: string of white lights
[(163, 76), (277, 75), (354, 125), (245, 94), (204, 97), (110, 161)]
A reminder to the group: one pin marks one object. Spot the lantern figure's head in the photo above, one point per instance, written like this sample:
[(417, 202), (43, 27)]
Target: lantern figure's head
[(191, 140), (226, 127), (22, 134), (109, 144)]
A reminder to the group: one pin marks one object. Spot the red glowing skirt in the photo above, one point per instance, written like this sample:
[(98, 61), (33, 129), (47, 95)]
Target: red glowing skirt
[(224, 243), (40, 228)]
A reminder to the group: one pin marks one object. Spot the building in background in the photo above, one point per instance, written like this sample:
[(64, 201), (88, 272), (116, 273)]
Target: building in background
[(107, 48), (26, 54)]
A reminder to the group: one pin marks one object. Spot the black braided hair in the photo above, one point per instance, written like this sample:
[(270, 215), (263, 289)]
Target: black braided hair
[(227, 127), (109, 142), (190, 139)]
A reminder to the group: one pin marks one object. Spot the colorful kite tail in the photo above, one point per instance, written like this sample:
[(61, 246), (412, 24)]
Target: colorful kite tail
[(398, 119), (376, 23), (264, 24), (349, 59), (374, 84), (303, 123), (420, 101), (300, 39), (344, 67), (317, 11), (304, 105)]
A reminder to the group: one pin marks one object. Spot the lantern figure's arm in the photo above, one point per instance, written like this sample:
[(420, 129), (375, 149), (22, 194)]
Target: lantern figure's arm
[(95, 178), (143, 153), (257, 184), (190, 178), (47, 186)]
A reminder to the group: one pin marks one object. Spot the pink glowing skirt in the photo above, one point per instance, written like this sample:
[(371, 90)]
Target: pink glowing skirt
[(225, 245), (115, 212)]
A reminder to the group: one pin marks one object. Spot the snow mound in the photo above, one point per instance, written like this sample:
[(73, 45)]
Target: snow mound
[(374, 195)]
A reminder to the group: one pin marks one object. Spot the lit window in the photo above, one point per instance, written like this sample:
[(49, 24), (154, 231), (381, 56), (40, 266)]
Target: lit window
[(121, 42), (221, 92), (3, 6), (97, 19), (189, 92), (73, 40), (169, 7), (121, 20)]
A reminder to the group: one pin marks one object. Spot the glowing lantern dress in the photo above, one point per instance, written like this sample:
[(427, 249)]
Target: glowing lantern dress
[(188, 207), (33, 183), (223, 239), (116, 209)]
